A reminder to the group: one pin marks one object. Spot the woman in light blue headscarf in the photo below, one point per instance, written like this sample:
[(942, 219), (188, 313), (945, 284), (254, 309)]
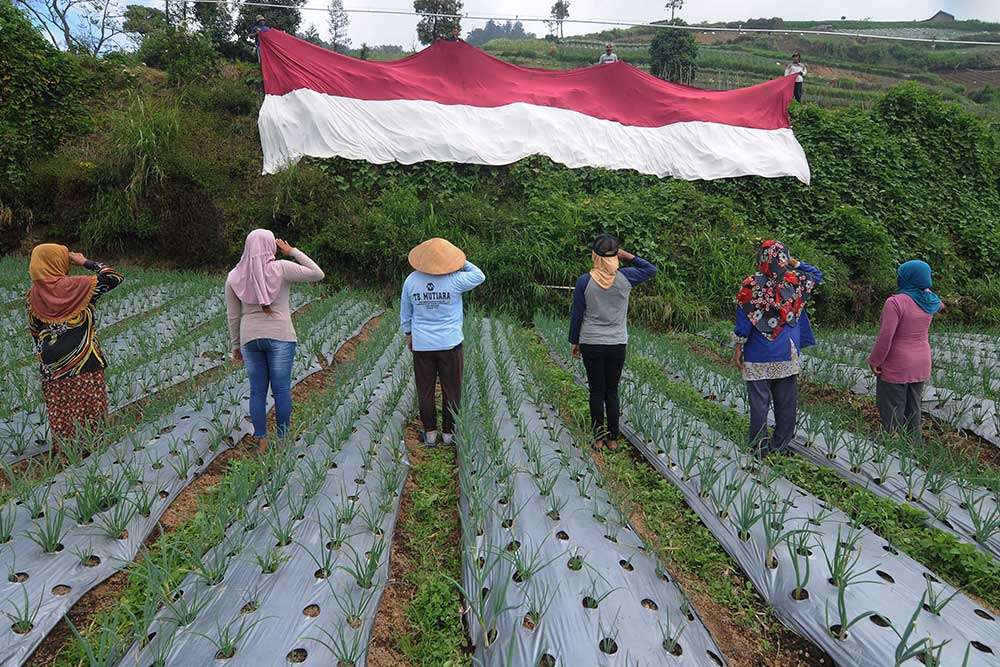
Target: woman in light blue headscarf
[(901, 356)]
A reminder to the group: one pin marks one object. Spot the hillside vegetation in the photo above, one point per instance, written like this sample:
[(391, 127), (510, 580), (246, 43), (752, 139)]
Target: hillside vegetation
[(128, 160)]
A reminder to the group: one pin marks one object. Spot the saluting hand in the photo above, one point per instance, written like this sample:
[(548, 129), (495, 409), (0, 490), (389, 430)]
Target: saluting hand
[(77, 259), (627, 256), (284, 246)]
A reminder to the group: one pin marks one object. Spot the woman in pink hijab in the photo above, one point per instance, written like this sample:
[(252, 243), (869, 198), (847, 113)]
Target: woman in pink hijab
[(260, 324)]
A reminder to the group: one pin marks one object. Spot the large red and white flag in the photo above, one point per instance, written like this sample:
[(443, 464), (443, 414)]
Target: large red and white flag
[(452, 102)]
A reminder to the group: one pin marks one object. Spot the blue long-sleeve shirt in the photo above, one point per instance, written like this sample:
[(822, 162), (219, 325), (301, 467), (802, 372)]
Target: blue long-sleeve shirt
[(430, 307), (757, 348), (599, 315)]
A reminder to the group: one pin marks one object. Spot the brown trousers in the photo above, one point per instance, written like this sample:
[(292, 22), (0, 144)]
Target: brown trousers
[(428, 368)]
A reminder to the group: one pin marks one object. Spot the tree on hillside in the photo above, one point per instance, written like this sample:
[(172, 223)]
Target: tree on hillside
[(674, 6), (141, 20), (496, 30), (435, 26), (338, 21), (559, 13), (216, 22), (287, 18), (312, 36), (673, 54), (88, 26)]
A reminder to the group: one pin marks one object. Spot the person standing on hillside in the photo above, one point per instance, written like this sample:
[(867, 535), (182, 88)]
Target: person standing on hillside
[(598, 330), (430, 314), (772, 328), (260, 324), (61, 311), (259, 26), (609, 55), (800, 71), (901, 355)]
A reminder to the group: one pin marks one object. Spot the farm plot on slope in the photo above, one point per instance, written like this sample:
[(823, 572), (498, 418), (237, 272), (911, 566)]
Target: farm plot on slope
[(828, 577), (64, 535), (959, 501), (300, 569), (553, 574)]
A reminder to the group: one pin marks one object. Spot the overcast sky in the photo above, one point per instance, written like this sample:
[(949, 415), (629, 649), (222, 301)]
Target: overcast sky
[(383, 29)]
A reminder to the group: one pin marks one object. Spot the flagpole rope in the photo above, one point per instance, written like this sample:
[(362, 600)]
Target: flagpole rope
[(629, 24)]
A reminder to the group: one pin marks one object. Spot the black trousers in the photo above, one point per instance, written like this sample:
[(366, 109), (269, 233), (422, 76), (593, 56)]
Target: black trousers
[(428, 368), (604, 364), (798, 91)]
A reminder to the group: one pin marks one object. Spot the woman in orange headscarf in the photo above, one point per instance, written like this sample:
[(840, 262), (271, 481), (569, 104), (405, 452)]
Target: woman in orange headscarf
[(61, 319)]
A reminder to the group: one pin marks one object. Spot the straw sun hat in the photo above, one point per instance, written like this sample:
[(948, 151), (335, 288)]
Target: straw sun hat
[(437, 257)]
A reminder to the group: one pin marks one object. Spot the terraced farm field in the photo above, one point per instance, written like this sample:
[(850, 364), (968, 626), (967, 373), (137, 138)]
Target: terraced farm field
[(166, 541)]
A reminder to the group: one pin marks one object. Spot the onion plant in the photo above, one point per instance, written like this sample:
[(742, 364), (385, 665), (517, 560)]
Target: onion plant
[(923, 649), (346, 646), (22, 616), (364, 567), (48, 533), (228, 637)]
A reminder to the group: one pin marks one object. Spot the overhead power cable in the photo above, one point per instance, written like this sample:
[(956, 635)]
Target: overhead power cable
[(616, 23)]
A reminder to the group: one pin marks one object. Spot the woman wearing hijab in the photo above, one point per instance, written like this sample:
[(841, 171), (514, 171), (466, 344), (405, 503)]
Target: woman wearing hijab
[(260, 324), (772, 328), (901, 356), (61, 321), (598, 331)]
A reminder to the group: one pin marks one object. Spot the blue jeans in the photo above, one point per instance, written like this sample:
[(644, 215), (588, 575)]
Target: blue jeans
[(269, 362)]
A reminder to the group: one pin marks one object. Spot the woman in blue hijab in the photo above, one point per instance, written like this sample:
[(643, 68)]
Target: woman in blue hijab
[(901, 356)]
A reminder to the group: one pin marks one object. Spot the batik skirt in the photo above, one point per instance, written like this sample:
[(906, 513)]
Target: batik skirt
[(76, 400)]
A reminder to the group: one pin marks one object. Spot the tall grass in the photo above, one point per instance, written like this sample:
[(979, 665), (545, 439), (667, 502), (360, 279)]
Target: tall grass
[(143, 137)]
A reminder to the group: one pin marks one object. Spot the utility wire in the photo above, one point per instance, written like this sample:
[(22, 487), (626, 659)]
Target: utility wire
[(629, 24)]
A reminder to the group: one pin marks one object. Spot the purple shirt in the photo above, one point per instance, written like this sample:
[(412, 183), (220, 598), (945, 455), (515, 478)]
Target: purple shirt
[(902, 348)]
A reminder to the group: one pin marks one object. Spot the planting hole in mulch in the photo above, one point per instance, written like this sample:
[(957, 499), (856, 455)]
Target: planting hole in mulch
[(546, 661), (562, 535), (983, 614), (18, 577), (879, 621), (575, 563), (800, 594), (22, 629), (61, 589), (529, 622), (589, 603), (312, 611), (981, 647), (354, 622), (627, 566), (514, 546), (608, 645), (676, 650), (320, 573), (649, 604), (931, 578), (714, 658), (225, 655), (250, 607), (297, 655)]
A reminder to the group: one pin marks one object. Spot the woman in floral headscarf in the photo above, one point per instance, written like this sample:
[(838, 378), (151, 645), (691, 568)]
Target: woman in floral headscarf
[(772, 327)]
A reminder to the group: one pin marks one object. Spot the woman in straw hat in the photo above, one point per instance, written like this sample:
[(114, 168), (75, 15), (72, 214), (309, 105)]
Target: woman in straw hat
[(61, 321), (430, 313), (598, 332), (260, 324)]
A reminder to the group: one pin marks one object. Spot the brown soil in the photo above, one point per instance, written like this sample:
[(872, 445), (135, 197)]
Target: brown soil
[(346, 352), (391, 622), (741, 646), (715, 37), (824, 72), (971, 78), (105, 595)]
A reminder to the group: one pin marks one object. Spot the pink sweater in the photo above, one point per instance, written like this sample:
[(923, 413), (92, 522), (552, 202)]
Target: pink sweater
[(902, 348)]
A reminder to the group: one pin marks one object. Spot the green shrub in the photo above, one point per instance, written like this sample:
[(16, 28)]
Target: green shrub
[(224, 95), (143, 137), (182, 55)]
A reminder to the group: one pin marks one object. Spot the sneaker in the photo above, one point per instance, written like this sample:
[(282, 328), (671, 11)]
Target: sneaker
[(447, 438), (429, 438)]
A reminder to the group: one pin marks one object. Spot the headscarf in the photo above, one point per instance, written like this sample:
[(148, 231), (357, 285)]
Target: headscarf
[(604, 271), (774, 296), (257, 277), (56, 296), (914, 280)]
